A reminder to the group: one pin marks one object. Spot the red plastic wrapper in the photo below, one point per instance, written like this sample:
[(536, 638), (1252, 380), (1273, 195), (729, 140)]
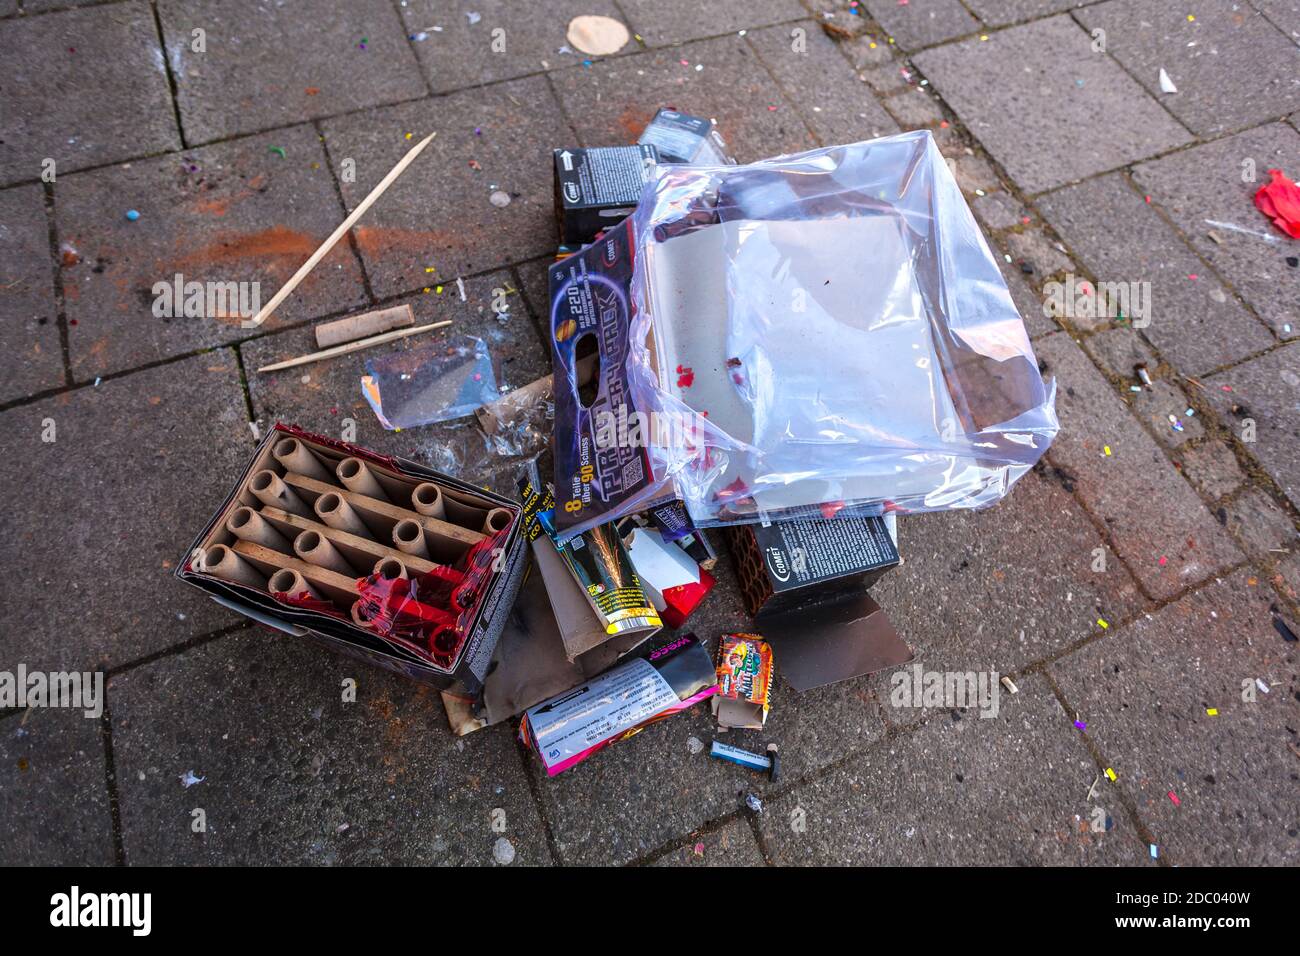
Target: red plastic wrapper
[(1279, 199)]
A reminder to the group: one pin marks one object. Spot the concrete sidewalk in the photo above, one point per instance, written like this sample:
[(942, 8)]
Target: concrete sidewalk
[(1131, 583)]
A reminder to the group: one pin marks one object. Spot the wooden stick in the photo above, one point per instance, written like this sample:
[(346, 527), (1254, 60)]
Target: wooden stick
[(355, 346), (266, 310)]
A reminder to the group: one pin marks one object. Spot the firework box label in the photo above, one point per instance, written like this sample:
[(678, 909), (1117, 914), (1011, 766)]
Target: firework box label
[(744, 672), (571, 726), (589, 316), (597, 188)]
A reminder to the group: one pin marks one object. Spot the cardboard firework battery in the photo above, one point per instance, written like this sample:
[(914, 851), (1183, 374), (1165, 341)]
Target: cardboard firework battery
[(570, 727), (686, 139), (745, 673), (597, 188)]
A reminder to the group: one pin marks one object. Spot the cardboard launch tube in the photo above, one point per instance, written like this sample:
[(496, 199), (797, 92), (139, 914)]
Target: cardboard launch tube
[(335, 511), (270, 489), (361, 614), (223, 563), (314, 548), (356, 476), (290, 582), (497, 520), (390, 569), (427, 499), (408, 536), (356, 327), (297, 457), (248, 524)]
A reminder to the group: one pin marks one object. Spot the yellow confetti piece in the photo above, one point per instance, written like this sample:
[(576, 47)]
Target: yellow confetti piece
[(983, 37), (426, 289), (408, 135), (1106, 449), (872, 44), (1213, 711), (438, 290), (430, 269), (1101, 622), (1190, 18), (1112, 775)]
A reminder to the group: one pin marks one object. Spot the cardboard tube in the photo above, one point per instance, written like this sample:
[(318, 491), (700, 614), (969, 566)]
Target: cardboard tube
[(361, 615), (248, 524), (390, 569), (314, 548), (270, 489), (356, 327), (297, 457), (335, 511), (427, 499), (356, 476), (497, 520), (290, 582), (408, 536), (223, 563)]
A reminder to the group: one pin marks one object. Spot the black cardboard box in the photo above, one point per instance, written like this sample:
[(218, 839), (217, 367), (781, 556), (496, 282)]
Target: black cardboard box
[(483, 624), (597, 188)]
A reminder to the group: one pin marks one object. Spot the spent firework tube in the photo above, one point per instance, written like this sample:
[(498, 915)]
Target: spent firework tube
[(613, 706)]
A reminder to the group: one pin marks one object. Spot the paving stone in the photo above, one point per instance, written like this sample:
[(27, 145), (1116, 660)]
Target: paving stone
[(1204, 186), (884, 79), (8, 8), (1265, 531), (1265, 390), (915, 25), (346, 55), (1212, 468), (1287, 579), (1284, 14), (1033, 248), (507, 40), (870, 49), (230, 213), (611, 103), (535, 285), (438, 214), (293, 774), (1120, 238), (1233, 774), (915, 109), (1119, 351), (731, 845), (1007, 790), (667, 22), (41, 6), (1028, 301), (1232, 67), (29, 337), (55, 97), (1019, 93), (1002, 12), (1003, 588), (53, 794), (137, 466), (325, 397), (837, 107), (1155, 407), (1150, 512), (999, 210)]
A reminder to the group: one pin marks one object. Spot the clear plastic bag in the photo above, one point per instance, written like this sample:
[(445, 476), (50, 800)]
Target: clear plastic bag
[(431, 383), (826, 331)]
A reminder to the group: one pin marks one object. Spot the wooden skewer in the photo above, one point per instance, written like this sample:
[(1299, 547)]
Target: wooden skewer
[(265, 312), (354, 346)]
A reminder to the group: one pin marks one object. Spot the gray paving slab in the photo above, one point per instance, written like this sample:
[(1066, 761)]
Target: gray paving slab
[(1231, 67), (1209, 193), (438, 214), (1028, 301), (916, 25), (999, 210), (1147, 705), (820, 81), (1032, 95), (1264, 392), (53, 790), (59, 71), (265, 66), (730, 845), (667, 22), (505, 41), (1212, 468), (610, 103), (1266, 532), (236, 212), (1155, 408), (1119, 350), (1005, 790), (1119, 238), (1003, 12), (915, 108), (1157, 522), (325, 397), (29, 338), (292, 773), (1003, 588), (135, 468), (1284, 14)]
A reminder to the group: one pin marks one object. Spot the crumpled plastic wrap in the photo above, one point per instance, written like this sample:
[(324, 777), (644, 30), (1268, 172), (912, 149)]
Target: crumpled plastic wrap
[(430, 383), (826, 331)]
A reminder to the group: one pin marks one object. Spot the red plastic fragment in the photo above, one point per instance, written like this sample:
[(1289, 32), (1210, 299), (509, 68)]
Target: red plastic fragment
[(1279, 199)]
